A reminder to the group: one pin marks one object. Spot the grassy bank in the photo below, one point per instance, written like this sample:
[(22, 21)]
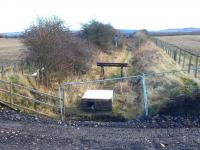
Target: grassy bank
[(162, 89)]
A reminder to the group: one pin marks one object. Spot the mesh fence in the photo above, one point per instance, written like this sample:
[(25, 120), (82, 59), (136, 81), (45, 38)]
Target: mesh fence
[(127, 97), (132, 96)]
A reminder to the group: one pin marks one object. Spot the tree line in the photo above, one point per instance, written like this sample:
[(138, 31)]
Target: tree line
[(57, 49)]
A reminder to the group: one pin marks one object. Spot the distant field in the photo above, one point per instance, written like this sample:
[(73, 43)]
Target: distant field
[(188, 42), (11, 50)]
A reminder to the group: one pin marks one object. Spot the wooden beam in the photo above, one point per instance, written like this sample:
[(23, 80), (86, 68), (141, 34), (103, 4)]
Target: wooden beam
[(112, 64)]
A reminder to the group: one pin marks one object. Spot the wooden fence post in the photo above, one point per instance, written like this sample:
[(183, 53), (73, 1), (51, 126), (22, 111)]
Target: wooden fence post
[(167, 49), (179, 59), (2, 71), (184, 55), (163, 45), (121, 71), (22, 67), (14, 68), (11, 95), (102, 72), (189, 66), (62, 102), (175, 55), (196, 67), (171, 52)]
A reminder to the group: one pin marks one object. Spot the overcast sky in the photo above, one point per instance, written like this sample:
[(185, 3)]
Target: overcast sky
[(16, 15)]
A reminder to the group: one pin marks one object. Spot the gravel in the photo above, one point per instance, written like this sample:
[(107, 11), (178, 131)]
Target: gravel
[(20, 131)]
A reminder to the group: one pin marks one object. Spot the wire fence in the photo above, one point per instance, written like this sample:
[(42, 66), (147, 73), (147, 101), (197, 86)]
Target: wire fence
[(26, 68), (133, 95), (136, 95), (23, 67), (182, 56), (125, 97)]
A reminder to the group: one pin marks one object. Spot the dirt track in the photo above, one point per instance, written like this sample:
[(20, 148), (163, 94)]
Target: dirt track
[(18, 131), (18, 135)]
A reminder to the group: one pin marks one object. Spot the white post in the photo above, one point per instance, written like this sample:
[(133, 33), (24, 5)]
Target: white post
[(145, 95)]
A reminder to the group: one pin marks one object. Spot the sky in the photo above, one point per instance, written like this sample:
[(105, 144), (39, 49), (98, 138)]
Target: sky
[(17, 15)]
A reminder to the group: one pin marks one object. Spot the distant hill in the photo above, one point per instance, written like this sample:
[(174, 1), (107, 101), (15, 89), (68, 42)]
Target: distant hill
[(178, 31), (181, 30), (127, 32), (12, 34)]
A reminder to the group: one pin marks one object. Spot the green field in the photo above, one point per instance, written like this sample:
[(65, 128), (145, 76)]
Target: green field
[(188, 42)]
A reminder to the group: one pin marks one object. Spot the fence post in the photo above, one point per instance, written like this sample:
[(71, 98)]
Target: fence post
[(62, 102), (22, 67), (171, 52), (196, 67), (189, 66), (121, 71), (2, 71), (11, 96), (14, 68), (179, 59), (183, 65), (175, 55), (145, 95)]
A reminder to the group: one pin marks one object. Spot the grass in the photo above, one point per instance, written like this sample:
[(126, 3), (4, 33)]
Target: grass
[(128, 96), (187, 42), (26, 81), (151, 59), (72, 94), (122, 89)]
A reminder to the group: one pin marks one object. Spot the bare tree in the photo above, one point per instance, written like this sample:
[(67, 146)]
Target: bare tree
[(53, 46)]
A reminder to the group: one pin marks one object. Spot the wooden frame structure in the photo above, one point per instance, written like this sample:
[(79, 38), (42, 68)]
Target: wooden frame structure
[(102, 65)]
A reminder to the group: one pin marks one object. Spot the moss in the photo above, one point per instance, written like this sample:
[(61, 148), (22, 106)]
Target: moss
[(189, 86), (14, 78)]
